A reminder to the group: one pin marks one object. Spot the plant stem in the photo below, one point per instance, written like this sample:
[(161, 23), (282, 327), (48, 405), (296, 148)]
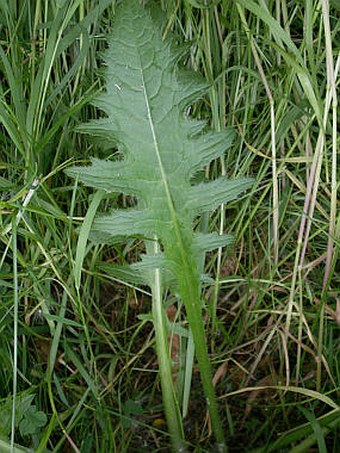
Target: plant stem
[(190, 294), (171, 406)]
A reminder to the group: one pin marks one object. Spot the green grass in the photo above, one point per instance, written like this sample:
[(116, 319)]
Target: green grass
[(81, 342)]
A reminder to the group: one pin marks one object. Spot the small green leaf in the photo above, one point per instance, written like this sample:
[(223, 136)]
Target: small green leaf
[(131, 409), (23, 404), (32, 422)]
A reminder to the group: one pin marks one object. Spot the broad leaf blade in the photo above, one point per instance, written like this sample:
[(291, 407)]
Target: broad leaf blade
[(161, 151)]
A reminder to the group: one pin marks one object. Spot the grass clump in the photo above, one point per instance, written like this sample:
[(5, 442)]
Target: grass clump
[(81, 350)]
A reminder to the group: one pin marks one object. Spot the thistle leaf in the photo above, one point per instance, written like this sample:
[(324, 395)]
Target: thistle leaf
[(105, 175), (161, 151), (207, 242), (144, 103), (130, 222), (207, 196)]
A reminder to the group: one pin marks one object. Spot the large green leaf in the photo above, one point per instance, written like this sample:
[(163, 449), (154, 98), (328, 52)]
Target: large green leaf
[(162, 149), (160, 152)]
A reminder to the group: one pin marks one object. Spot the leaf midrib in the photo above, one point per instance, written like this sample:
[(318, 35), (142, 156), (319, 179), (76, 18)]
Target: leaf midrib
[(171, 206)]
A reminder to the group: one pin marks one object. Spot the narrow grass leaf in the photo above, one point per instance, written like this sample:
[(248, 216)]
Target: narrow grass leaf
[(80, 367), (317, 431), (83, 236), (293, 56)]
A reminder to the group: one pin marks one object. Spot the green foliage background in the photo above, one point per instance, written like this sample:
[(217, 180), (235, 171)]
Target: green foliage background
[(86, 351)]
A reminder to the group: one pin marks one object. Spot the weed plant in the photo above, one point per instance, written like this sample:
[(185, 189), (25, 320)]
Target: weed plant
[(77, 345)]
